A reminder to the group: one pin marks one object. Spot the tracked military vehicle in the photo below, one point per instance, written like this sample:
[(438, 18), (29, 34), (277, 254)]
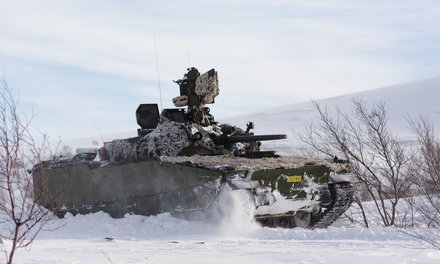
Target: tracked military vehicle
[(182, 161)]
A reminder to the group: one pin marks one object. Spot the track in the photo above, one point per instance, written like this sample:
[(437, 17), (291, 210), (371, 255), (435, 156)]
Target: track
[(342, 195)]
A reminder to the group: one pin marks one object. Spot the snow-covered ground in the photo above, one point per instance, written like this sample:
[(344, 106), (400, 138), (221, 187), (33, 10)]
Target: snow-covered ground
[(97, 238), (236, 239)]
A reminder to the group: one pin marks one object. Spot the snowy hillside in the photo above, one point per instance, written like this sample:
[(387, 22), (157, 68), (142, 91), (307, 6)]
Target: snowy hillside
[(402, 101)]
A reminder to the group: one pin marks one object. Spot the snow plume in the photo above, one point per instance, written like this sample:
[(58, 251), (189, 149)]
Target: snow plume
[(233, 212)]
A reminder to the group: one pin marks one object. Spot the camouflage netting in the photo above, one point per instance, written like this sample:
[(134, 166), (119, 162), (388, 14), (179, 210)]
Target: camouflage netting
[(119, 149), (246, 163), (207, 87), (168, 138)]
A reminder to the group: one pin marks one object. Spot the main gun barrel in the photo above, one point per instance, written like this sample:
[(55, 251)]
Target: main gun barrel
[(222, 140)]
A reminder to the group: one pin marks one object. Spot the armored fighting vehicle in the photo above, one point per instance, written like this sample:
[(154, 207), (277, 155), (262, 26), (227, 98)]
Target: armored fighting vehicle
[(182, 161)]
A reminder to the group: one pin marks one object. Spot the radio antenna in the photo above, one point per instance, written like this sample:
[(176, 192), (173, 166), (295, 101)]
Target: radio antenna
[(157, 69), (99, 132), (187, 56)]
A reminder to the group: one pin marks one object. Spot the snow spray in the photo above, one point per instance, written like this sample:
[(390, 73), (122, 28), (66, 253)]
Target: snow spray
[(233, 212)]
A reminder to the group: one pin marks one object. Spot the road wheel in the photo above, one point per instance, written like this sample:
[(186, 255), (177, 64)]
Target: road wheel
[(302, 219)]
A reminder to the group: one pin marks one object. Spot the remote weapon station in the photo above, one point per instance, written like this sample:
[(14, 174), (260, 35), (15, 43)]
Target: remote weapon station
[(182, 161)]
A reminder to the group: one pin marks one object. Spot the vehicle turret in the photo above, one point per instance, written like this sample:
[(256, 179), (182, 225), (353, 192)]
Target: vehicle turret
[(205, 135)]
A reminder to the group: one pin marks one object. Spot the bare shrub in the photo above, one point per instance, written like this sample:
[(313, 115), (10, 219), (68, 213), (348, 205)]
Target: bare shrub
[(428, 170), (21, 218), (381, 162)]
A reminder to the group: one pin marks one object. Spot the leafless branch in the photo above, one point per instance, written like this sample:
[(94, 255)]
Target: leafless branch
[(20, 215), (381, 163)]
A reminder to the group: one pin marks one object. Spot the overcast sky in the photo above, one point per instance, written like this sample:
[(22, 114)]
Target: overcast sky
[(84, 65)]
